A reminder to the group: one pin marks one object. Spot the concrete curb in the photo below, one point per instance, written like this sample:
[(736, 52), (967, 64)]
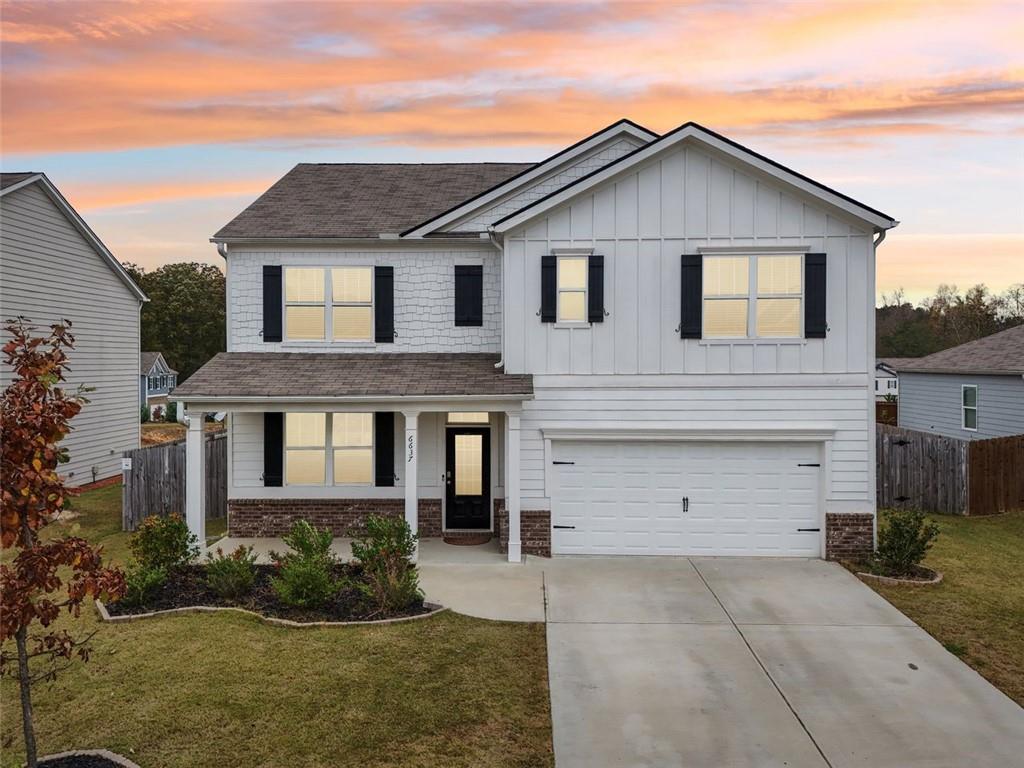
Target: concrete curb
[(935, 579), (271, 620), (105, 753)]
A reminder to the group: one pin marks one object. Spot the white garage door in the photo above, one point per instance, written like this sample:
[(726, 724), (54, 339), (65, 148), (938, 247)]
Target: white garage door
[(687, 498)]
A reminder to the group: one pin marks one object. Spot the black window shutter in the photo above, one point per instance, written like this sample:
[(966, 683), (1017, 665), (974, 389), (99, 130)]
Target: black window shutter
[(469, 294), (273, 449), (815, 325), (384, 304), (691, 296), (595, 289), (548, 289), (384, 447), (272, 302)]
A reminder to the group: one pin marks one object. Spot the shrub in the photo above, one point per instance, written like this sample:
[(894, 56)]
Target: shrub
[(385, 551), (164, 542), (171, 414), (141, 583), (904, 538), (157, 414), (231, 576), (305, 577), (144, 414)]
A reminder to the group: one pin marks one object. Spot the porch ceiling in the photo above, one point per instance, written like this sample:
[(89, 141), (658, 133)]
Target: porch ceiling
[(294, 375)]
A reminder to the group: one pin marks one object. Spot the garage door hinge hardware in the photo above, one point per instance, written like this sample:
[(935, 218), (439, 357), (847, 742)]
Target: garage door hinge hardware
[(808, 530), (564, 527), (563, 462), (808, 465), (686, 503)]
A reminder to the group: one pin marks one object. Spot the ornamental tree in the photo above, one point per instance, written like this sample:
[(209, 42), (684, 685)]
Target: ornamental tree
[(47, 577)]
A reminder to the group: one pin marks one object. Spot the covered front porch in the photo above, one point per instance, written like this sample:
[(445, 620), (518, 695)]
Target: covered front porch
[(336, 438)]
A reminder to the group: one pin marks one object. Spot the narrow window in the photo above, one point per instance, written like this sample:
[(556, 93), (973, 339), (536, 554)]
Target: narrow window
[(352, 445), (572, 289), (304, 304), (305, 448), (726, 296), (969, 406), (779, 291), (352, 303)]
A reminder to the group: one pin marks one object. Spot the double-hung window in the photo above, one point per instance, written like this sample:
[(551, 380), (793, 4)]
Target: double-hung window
[(969, 407), (352, 445), (305, 455), (572, 289), (346, 291), (755, 296), (318, 442)]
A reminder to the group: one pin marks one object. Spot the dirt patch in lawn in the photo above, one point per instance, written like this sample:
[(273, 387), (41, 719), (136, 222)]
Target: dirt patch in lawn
[(187, 587)]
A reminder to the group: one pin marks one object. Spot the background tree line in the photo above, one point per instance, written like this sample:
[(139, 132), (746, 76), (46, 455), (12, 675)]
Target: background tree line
[(184, 318), (944, 320)]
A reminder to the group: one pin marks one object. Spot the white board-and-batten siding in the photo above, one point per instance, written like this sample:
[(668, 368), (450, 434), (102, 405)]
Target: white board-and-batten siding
[(50, 272), (424, 284), (634, 367)]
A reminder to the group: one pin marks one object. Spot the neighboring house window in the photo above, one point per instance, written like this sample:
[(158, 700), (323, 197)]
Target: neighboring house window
[(572, 289), (969, 406), (304, 304), (305, 448), (891, 384), (352, 442), (352, 303), (753, 296)]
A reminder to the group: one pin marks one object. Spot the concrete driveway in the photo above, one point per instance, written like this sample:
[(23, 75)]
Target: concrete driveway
[(754, 662)]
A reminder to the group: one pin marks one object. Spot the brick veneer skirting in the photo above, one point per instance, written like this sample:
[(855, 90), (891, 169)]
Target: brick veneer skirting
[(534, 529), (849, 537), (274, 517)]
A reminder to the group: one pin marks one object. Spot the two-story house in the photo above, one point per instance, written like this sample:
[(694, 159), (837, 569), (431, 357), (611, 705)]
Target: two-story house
[(156, 380), (644, 344)]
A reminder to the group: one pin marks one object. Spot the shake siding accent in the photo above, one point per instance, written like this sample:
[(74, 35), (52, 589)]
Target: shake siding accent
[(424, 298), (931, 402), (48, 272)]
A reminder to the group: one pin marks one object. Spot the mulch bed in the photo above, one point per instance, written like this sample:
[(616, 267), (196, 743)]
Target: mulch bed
[(916, 575), (187, 587), (82, 761)]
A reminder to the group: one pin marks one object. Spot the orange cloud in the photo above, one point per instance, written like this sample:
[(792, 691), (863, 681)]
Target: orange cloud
[(117, 194)]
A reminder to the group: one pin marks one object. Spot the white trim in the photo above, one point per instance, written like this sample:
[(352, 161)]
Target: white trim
[(695, 133), (330, 404), (703, 432), (83, 229)]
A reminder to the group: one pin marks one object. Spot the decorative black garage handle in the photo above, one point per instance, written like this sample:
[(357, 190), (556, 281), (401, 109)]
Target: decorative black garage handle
[(563, 462), (564, 527), (808, 465), (808, 530)]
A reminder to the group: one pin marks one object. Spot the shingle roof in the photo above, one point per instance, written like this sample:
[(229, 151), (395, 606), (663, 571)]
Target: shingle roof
[(317, 375), (1000, 353), (895, 362), (362, 199), (10, 179), (148, 359)]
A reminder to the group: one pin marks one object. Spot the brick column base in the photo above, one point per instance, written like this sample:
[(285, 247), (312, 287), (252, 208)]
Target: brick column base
[(275, 517), (534, 529), (849, 537)]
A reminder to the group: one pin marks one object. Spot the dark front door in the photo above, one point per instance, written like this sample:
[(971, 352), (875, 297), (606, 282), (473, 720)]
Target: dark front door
[(468, 478)]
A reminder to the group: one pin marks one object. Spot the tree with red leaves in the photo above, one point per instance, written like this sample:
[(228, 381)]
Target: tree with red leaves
[(48, 577)]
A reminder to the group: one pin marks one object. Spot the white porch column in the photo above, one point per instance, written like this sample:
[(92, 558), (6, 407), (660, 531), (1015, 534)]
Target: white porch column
[(410, 450), (515, 546), (195, 477)]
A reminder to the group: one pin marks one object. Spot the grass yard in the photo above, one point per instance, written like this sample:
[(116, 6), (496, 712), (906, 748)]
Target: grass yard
[(977, 611), (225, 689)]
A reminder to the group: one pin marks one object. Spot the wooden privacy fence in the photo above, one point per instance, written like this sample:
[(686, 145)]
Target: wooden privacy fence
[(155, 482), (943, 474)]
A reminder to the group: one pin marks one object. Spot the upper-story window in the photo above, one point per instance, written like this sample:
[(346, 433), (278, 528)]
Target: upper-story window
[(347, 291), (752, 296), (572, 289), (969, 406)]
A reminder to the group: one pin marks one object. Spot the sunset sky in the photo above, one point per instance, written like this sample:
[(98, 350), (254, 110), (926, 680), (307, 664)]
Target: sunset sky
[(160, 121)]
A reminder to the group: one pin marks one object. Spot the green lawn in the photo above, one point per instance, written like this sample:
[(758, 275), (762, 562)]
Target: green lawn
[(977, 611), (226, 689)]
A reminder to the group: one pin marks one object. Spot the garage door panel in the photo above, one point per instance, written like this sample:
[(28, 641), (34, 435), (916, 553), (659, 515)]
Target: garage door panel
[(743, 499)]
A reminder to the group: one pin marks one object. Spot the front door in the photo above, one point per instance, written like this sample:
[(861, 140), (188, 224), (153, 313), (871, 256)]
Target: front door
[(468, 478)]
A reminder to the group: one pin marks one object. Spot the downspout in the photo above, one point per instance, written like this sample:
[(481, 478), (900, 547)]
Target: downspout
[(871, 398), (501, 260)]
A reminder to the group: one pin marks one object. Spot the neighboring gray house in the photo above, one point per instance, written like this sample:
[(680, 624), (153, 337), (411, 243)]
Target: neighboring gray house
[(973, 391), (156, 380), (53, 267)]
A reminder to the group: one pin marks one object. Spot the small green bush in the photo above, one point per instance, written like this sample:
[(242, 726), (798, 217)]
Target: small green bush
[(141, 583), (231, 576), (144, 414), (385, 550), (904, 539), (306, 574), (164, 542)]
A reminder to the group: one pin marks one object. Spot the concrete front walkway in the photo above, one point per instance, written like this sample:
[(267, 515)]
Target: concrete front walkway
[(756, 662)]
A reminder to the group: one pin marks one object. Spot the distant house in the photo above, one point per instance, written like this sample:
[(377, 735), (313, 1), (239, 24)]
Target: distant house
[(156, 380), (887, 381), (973, 391), (54, 267)]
